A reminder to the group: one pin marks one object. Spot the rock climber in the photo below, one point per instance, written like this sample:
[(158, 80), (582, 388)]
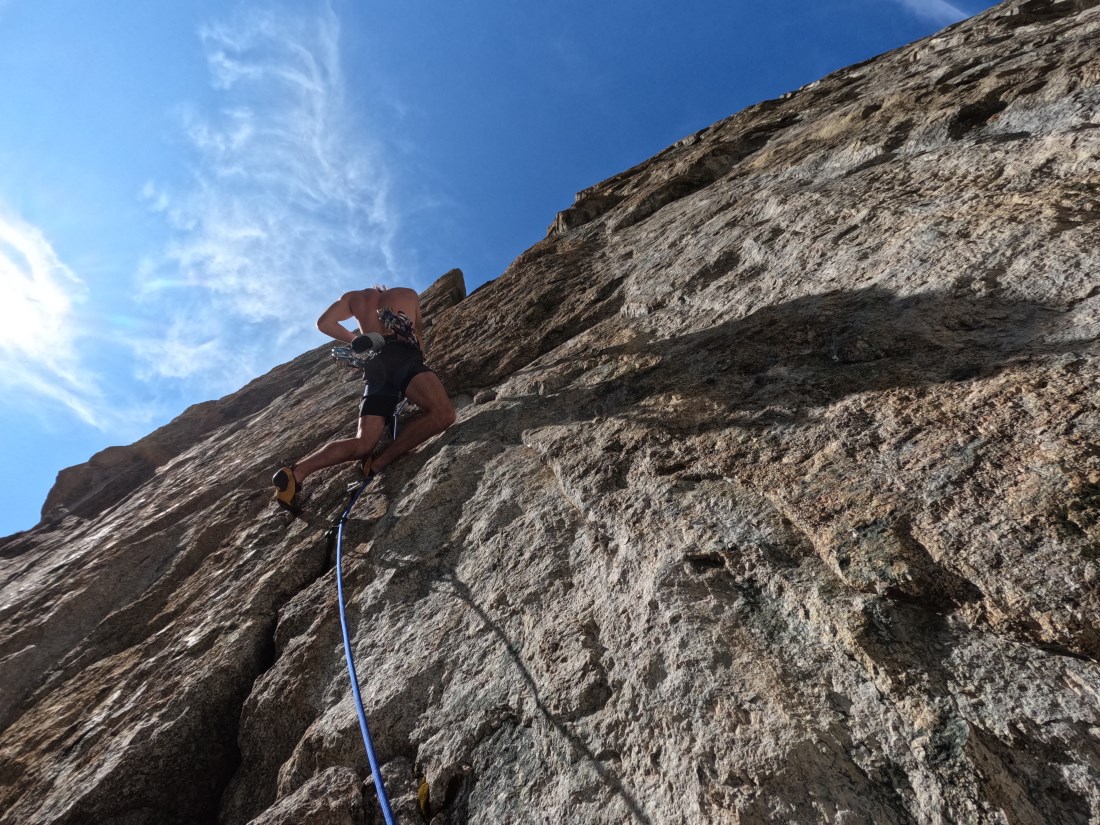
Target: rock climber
[(398, 369)]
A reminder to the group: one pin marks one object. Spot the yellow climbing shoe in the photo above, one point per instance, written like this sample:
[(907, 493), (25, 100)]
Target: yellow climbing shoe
[(286, 489)]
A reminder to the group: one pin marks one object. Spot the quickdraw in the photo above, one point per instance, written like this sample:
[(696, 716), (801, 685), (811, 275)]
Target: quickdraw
[(399, 324)]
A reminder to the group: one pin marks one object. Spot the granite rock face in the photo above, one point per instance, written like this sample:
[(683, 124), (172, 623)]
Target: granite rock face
[(774, 496)]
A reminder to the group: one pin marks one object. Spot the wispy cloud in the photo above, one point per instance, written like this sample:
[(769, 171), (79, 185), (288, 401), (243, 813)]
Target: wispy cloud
[(40, 326), (289, 204), (938, 11)]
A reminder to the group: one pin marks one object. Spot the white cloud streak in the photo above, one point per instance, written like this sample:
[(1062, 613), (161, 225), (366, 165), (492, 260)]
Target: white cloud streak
[(40, 326), (938, 11), (288, 207)]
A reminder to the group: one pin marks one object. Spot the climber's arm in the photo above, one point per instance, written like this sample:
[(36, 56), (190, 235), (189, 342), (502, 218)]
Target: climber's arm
[(329, 322)]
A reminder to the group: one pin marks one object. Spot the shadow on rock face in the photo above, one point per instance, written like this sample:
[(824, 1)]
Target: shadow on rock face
[(580, 750), (781, 361), (608, 415), (905, 638)]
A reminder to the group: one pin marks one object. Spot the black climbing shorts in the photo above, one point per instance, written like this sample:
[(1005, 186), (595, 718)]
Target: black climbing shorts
[(387, 375)]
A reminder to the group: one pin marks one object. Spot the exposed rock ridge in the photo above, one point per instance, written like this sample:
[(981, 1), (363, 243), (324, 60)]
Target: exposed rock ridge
[(707, 156), (774, 497), (86, 490)]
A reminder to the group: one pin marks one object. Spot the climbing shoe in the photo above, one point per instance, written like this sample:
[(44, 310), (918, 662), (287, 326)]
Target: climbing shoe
[(364, 466), (369, 473), (286, 490)]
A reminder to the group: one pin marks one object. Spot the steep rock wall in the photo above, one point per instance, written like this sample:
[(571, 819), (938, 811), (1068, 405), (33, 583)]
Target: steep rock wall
[(774, 497)]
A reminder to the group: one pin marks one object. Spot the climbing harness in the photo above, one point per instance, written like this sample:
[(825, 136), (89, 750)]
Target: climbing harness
[(337, 533)]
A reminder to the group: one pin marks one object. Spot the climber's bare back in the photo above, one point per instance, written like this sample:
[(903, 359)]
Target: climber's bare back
[(363, 306)]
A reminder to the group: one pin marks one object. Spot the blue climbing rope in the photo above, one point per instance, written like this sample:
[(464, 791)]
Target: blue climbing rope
[(368, 743)]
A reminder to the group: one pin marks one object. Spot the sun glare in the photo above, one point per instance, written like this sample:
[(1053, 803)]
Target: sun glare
[(39, 290)]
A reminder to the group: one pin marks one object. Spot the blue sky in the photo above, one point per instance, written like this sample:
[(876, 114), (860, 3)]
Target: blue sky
[(184, 186)]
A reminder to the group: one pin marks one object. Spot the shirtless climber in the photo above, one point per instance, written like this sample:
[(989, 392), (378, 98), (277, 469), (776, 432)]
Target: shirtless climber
[(397, 370)]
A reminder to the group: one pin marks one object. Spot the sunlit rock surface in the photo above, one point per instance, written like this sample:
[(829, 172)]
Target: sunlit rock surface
[(774, 496)]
